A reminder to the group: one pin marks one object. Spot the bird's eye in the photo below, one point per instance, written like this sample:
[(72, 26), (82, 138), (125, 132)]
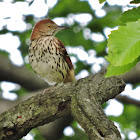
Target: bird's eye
[(49, 26)]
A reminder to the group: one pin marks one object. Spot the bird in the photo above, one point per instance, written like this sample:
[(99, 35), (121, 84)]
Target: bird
[(47, 54)]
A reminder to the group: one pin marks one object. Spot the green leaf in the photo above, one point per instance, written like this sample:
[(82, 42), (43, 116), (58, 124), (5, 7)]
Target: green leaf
[(101, 1), (100, 48), (64, 7), (135, 1), (71, 38), (111, 19), (128, 120), (124, 44), (130, 15), (118, 70), (4, 53)]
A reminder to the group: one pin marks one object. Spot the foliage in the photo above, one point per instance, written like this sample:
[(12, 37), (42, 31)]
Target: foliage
[(135, 1), (126, 123), (78, 133), (123, 46), (36, 135), (130, 15), (118, 70), (101, 1)]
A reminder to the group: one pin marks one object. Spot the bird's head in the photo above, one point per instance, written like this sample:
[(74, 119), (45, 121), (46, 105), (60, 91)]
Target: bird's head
[(46, 28)]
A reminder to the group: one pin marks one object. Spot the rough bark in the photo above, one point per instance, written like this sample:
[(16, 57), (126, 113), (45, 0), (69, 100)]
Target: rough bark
[(50, 131), (82, 98)]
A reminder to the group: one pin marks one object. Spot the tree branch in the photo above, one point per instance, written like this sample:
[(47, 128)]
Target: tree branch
[(128, 100), (20, 75), (94, 121), (50, 131), (61, 101), (133, 76)]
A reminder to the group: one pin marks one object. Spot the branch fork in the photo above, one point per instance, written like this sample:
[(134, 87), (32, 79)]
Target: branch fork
[(82, 99)]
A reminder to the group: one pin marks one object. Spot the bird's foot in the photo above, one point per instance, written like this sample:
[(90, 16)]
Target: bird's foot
[(46, 90), (59, 85)]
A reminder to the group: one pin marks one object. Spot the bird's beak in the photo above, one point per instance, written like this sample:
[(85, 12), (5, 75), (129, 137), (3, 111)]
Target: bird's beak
[(62, 27)]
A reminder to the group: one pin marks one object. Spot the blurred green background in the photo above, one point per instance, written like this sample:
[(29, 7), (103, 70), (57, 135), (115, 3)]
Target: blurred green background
[(86, 42)]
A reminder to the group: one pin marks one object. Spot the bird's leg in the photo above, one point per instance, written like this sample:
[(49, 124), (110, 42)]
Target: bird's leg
[(47, 89), (59, 85)]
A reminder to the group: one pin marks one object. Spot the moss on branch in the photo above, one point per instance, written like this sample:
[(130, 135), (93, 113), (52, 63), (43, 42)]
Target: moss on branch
[(83, 98)]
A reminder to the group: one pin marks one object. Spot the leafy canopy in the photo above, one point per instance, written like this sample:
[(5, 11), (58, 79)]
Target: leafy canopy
[(124, 44)]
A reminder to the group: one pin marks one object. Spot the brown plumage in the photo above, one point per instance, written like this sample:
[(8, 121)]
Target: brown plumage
[(47, 54)]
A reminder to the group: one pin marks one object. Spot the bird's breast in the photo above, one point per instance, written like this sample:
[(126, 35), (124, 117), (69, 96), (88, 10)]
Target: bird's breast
[(47, 61)]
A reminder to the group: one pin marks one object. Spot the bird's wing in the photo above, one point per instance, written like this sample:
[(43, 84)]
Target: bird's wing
[(64, 53)]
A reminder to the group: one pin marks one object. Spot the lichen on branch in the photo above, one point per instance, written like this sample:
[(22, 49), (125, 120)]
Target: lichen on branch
[(81, 98)]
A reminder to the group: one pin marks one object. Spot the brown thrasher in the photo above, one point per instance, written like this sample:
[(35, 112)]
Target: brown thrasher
[(47, 54)]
